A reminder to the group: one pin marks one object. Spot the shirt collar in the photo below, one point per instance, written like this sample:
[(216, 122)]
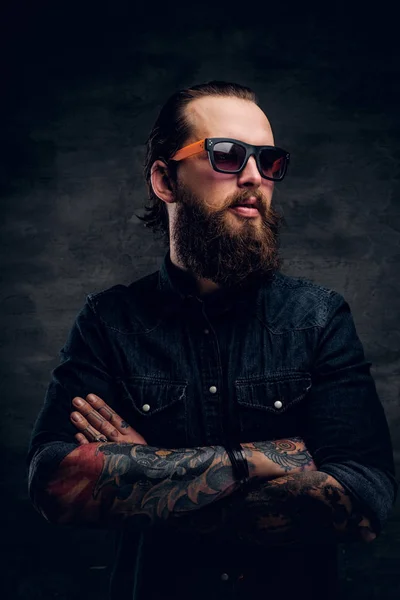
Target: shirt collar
[(177, 288)]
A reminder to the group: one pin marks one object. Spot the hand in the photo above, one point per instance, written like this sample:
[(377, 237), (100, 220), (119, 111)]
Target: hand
[(97, 422)]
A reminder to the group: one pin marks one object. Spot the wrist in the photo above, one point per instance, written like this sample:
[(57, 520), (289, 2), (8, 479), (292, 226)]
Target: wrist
[(255, 460), (239, 462)]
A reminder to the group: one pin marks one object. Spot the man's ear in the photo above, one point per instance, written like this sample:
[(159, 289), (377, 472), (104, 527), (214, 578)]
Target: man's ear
[(166, 179), (160, 181)]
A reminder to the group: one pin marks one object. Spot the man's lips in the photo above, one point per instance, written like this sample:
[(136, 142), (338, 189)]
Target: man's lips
[(249, 207), (251, 202), (245, 211)]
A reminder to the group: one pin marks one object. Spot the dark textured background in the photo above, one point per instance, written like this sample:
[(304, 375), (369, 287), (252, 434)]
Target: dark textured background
[(81, 87)]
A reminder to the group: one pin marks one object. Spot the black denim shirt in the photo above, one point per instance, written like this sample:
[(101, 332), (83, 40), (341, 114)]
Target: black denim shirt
[(278, 358)]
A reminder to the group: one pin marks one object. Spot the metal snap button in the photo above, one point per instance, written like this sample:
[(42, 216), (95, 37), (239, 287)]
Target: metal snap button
[(146, 407), (278, 404), (224, 576), (212, 389)]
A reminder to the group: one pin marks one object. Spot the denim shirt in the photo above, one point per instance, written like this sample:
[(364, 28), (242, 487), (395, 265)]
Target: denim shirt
[(274, 359)]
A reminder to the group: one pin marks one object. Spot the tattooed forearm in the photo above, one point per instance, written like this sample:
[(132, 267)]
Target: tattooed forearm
[(301, 507), (106, 483), (279, 457)]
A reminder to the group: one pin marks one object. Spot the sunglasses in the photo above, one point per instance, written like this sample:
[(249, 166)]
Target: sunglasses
[(227, 155)]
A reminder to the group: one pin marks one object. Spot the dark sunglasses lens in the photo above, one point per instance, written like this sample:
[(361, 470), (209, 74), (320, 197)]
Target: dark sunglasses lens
[(229, 156), (273, 163)]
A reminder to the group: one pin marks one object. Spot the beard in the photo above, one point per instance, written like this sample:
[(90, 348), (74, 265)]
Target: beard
[(210, 245)]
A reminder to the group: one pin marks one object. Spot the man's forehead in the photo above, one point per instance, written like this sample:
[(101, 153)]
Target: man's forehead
[(220, 116)]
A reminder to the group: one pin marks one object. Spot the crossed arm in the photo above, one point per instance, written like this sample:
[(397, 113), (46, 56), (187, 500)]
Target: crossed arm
[(194, 489)]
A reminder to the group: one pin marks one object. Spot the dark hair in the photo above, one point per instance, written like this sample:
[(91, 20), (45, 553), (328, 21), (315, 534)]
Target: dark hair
[(170, 132)]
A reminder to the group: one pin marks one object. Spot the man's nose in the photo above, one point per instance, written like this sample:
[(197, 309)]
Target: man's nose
[(250, 176)]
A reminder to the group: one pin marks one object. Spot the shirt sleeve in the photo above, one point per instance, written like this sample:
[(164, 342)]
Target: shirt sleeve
[(84, 368), (347, 431)]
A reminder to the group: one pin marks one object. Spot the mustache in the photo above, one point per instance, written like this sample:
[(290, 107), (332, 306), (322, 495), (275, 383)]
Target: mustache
[(271, 218)]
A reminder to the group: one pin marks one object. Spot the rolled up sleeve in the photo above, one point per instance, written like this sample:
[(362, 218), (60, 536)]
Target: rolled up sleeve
[(84, 368), (347, 430)]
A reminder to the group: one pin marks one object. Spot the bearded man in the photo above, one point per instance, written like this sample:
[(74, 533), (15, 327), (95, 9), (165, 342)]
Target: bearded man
[(219, 414)]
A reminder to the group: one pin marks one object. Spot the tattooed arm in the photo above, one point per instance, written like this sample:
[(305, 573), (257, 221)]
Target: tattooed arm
[(269, 513), (310, 507), (105, 483)]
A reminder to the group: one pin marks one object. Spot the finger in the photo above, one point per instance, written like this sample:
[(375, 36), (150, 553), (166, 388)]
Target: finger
[(129, 433), (91, 434), (108, 413), (82, 439), (122, 433), (95, 419)]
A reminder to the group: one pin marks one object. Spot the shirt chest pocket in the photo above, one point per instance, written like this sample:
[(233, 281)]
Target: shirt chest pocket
[(272, 406), (156, 408)]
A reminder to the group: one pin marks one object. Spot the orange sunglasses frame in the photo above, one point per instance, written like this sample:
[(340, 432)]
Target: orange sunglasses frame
[(187, 151)]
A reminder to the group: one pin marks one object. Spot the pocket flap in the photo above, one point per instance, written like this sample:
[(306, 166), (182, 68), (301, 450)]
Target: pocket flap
[(275, 393), (149, 396)]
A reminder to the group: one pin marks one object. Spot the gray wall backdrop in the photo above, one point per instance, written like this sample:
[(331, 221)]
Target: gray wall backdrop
[(81, 90)]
